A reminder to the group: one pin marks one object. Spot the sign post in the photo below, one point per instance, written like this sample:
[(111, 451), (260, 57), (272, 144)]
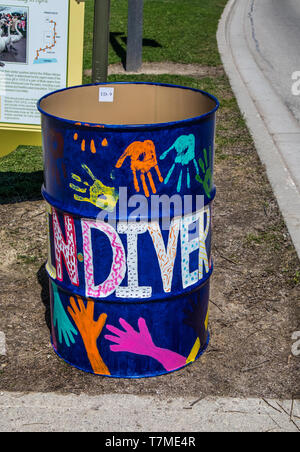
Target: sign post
[(41, 50), (135, 35), (101, 40)]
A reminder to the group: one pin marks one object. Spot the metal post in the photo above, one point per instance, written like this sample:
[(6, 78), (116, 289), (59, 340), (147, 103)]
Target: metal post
[(135, 35), (101, 40)]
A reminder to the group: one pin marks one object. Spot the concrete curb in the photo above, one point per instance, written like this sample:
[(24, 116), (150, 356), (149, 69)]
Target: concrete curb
[(129, 413), (274, 130)]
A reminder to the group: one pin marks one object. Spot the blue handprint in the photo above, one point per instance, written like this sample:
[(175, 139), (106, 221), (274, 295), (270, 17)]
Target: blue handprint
[(185, 148), (61, 320)]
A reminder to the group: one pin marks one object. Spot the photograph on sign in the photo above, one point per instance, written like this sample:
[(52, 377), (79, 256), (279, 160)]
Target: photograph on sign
[(13, 34), (33, 56)]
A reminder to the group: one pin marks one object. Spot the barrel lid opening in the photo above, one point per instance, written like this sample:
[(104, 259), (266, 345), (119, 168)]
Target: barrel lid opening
[(128, 104)]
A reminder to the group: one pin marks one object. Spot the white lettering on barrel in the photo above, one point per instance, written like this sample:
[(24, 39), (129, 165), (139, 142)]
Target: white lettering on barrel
[(194, 229), (166, 258), (189, 246), (133, 290)]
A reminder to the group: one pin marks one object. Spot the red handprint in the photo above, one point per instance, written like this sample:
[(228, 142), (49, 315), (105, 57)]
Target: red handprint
[(143, 159)]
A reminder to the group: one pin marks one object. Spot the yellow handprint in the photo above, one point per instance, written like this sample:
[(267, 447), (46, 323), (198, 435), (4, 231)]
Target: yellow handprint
[(100, 196)]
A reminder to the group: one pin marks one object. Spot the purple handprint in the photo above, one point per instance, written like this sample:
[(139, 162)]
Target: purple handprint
[(141, 343)]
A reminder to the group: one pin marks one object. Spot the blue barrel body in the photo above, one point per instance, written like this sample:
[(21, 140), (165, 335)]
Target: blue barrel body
[(129, 288)]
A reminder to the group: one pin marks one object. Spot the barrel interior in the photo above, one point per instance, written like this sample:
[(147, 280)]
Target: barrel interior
[(132, 104)]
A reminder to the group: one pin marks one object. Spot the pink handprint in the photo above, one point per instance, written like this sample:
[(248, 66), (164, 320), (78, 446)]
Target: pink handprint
[(141, 343)]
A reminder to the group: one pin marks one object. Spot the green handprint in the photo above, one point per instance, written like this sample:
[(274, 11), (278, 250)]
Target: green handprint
[(207, 172), (185, 149), (61, 320), (100, 196)]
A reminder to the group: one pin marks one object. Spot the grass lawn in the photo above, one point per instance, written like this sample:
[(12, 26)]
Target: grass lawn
[(182, 31)]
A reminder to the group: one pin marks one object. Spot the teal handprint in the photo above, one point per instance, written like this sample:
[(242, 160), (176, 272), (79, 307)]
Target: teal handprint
[(61, 320), (206, 167), (185, 154)]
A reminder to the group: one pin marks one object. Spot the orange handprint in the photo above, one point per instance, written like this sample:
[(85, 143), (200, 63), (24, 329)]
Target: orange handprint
[(90, 331), (143, 159)]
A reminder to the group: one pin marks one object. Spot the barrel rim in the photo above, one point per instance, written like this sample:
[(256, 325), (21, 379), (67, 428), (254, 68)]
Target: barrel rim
[(58, 205), (156, 298), (131, 126)]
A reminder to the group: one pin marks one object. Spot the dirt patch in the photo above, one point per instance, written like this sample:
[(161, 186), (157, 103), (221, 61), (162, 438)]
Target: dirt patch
[(191, 70), (255, 292)]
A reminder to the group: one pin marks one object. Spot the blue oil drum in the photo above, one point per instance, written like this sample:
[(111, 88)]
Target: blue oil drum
[(129, 189)]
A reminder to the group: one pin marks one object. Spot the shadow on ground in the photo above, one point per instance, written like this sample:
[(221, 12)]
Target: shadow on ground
[(21, 175), (19, 187), (118, 39), (43, 281)]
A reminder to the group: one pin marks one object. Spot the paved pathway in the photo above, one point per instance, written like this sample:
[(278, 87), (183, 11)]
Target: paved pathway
[(128, 413), (274, 127)]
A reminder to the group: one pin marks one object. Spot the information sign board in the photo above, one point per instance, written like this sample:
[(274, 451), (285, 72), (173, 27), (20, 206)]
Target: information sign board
[(41, 50)]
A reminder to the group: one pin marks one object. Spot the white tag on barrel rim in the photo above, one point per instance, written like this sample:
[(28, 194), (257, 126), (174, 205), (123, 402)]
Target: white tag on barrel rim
[(106, 94)]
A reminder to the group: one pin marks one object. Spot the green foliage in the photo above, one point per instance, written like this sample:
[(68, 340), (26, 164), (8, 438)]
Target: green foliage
[(21, 175), (182, 31), (296, 278)]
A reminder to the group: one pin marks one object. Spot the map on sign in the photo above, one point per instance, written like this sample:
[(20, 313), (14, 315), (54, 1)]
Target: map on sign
[(46, 53), (34, 40)]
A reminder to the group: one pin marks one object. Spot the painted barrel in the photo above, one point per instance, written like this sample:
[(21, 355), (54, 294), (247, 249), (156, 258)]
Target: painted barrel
[(129, 189)]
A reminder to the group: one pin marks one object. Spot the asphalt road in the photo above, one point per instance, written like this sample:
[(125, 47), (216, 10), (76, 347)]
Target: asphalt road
[(274, 37)]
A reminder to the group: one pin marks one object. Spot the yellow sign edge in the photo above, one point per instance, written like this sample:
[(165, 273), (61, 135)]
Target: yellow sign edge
[(10, 137)]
